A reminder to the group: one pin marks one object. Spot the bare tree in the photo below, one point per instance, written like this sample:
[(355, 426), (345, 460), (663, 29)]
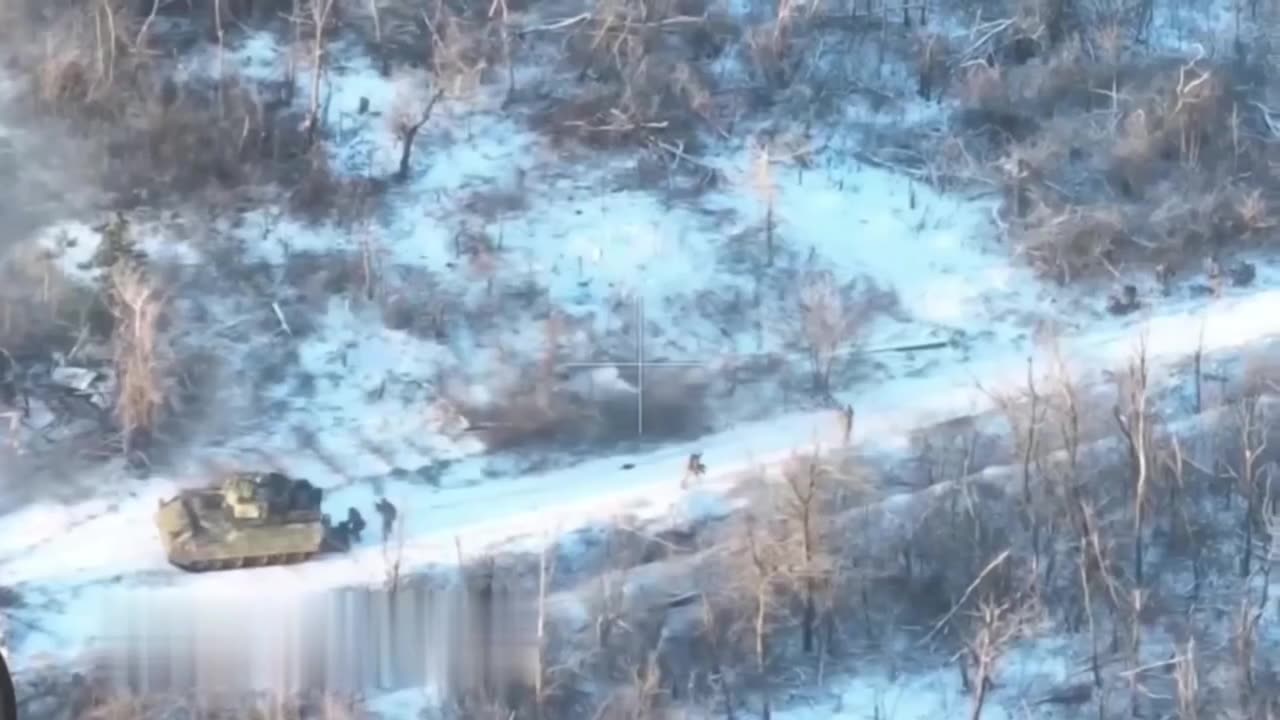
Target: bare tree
[(1135, 420), (222, 46), (721, 671), (1251, 425), (140, 40), (143, 358), (831, 317), (805, 477), (107, 33), (544, 675), (1026, 412), (406, 129), (1186, 677), (763, 185), (766, 581), (499, 10), (1182, 528), (375, 14), (998, 625), (318, 16)]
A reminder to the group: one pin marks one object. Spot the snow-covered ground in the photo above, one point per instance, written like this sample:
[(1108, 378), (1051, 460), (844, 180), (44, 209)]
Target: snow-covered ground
[(369, 409)]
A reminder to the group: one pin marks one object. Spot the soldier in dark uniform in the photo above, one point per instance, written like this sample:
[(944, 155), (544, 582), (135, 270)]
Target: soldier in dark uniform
[(693, 468), (339, 535), (388, 513), (1125, 302), (355, 523)]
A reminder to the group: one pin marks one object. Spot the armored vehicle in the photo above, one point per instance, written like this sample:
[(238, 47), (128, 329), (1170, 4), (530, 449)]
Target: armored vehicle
[(247, 520)]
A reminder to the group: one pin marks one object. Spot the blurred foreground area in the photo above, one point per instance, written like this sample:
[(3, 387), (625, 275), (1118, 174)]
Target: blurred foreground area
[(449, 640)]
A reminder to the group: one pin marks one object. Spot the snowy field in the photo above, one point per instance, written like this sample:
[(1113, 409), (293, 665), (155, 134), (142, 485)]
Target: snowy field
[(369, 357)]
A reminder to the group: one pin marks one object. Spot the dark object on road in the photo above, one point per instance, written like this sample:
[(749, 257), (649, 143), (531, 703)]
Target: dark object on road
[(355, 523), (1243, 274), (247, 520), (1125, 302)]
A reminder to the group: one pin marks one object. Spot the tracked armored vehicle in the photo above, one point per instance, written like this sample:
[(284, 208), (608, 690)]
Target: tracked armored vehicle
[(247, 520)]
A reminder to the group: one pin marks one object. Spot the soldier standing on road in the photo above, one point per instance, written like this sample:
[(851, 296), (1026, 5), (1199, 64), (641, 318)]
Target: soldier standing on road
[(693, 468), (355, 523), (1164, 278), (388, 513), (846, 423), (1214, 271)]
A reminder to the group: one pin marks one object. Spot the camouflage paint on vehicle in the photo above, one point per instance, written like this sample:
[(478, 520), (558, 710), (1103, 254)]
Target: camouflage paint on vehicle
[(248, 520)]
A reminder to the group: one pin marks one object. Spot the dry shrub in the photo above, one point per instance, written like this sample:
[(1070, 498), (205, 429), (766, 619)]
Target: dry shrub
[(1066, 135), (984, 87), (40, 308), (643, 56), (1197, 220), (1067, 78), (492, 203), (1024, 168), (767, 48), (1134, 154), (828, 318), (932, 60), (416, 302), (1068, 244), (655, 101), (144, 359), (463, 50), (320, 193), (318, 276), (154, 133)]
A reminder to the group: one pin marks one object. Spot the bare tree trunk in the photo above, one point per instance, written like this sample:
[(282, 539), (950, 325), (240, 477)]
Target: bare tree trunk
[(764, 578), (140, 41), (217, 24), (1133, 418), (1253, 442), (499, 9), (320, 10), (718, 670), (1031, 445), (540, 672), (409, 133)]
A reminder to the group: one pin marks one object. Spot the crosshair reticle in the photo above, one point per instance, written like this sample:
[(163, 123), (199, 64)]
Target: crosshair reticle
[(640, 362)]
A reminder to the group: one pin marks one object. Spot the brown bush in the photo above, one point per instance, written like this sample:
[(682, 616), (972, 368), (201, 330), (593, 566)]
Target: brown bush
[(144, 359), (1094, 149), (641, 58), (41, 309), (1068, 244), (149, 133)]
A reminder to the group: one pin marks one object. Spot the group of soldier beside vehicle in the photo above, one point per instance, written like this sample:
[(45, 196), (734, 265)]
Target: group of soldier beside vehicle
[(348, 531)]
